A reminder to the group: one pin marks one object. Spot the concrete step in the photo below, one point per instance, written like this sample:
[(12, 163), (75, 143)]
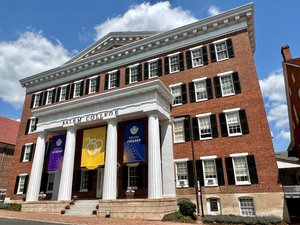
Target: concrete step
[(82, 208)]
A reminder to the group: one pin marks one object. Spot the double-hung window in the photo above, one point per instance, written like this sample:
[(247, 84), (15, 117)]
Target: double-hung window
[(233, 122), (27, 152), (179, 135), (63, 93), (133, 176), (77, 89), (84, 180), (21, 181), (37, 99), (204, 124), (200, 89), (181, 173), (50, 182), (93, 84), (176, 90), (112, 80), (174, 63), (240, 167), (197, 56), (247, 206), (221, 50), (209, 171), (133, 74), (32, 125), (226, 82), (50, 96), (153, 68)]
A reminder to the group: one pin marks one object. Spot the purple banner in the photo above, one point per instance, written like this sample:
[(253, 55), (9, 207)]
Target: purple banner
[(57, 152)]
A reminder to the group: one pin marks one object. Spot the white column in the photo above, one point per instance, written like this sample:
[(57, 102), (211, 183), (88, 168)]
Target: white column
[(66, 179), (154, 160), (37, 168), (110, 168), (168, 176)]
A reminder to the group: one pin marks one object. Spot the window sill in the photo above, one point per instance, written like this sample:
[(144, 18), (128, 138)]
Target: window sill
[(220, 60), (153, 77), (205, 139), (133, 82), (179, 142), (235, 135), (228, 95), (201, 100), (174, 71), (197, 66), (213, 185), (242, 184), (179, 104)]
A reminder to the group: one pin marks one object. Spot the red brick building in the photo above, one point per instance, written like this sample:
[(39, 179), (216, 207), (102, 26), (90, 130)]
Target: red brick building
[(8, 137), (291, 71), (156, 83)]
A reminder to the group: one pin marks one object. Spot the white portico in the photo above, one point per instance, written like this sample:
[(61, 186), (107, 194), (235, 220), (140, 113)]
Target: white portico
[(150, 100)]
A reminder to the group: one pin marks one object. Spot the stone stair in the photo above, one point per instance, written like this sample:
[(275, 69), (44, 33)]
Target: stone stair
[(82, 208)]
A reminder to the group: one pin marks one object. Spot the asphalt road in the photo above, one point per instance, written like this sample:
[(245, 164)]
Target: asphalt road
[(4, 221)]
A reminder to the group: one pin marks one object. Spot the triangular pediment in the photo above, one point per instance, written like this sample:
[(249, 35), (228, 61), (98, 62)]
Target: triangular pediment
[(110, 41)]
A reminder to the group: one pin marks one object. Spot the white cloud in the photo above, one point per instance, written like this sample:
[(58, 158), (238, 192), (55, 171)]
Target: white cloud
[(285, 135), (31, 53), (146, 17), (213, 10)]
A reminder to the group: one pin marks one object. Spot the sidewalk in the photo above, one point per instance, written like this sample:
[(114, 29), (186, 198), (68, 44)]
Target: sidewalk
[(79, 220)]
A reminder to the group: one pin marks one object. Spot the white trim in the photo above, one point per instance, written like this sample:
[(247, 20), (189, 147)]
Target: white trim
[(83, 170), (93, 77), (79, 81), (33, 117), (27, 144), (134, 65), (113, 71), (173, 54), (50, 89), (199, 79), (175, 85), (132, 164), (64, 85), (195, 48), (181, 160), (224, 73), (221, 40), (39, 92), (152, 60), (231, 110), (208, 199), (208, 157), (177, 119), (204, 115), (23, 174), (239, 154)]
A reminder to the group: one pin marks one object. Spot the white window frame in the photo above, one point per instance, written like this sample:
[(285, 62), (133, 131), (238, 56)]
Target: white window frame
[(216, 52), (232, 111), (31, 124), (82, 180), (135, 66), (149, 68), (50, 173), (177, 95), (51, 90), (77, 84), (178, 62), (200, 80), (192, 56), (201, 116), (110, 74), (94, 78), (178, 120), (226, 74), (22, 178), (130, 166), (215, 180), (240, 206), (208, 202), (61, 96), (181, 183), (244, 156), (27, 151), (37, 103)]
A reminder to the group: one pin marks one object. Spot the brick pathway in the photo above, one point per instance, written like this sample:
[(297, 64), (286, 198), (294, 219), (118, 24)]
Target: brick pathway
[(56, 218)]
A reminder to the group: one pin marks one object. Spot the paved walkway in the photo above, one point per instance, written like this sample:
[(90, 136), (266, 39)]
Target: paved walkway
[(79, 220)]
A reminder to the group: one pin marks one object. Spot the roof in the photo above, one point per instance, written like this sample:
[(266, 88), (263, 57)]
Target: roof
[(8, 130)]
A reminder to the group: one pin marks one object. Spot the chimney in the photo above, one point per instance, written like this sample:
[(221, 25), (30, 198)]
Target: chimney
[(286, 53)]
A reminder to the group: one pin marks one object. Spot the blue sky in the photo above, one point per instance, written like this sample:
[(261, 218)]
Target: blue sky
[(39, 35)]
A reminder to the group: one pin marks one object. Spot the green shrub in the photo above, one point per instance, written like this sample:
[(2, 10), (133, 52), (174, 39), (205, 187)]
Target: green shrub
[(186, 207), (263, 220), (178, 217), (11, 206)]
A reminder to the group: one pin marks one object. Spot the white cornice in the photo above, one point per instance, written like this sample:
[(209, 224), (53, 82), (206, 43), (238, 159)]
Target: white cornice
[(206, 29)]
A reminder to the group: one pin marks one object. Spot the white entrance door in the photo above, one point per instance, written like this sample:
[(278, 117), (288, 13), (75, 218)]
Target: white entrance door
[(100, 175)]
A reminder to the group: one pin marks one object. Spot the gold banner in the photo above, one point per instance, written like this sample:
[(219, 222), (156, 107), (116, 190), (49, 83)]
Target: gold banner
[(93, 148)]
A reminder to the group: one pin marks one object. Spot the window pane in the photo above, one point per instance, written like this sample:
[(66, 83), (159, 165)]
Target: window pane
[(84, 179), (153, 69), (93, 85), (176, 91), (21, 184), (241, 169), (233, 123), (77, 89), (49, 97), (179, 131), (247, 207), (197, 57), (32, 125), (221, 50), (27, 153), (37, 100), (133, 74), (182, 174), (51, 177), (200, 90), (174, 63), (133, 177), (214, 205), (112, 80), (63, 93), (227, 85), (205, 127)]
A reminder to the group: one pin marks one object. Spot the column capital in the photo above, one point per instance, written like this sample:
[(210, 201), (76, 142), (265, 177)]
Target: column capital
[(71, 128), (112, 121), (153, 113), (41, 133)]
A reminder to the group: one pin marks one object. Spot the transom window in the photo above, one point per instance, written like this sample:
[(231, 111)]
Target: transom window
[(133, 77), (182, 174), (213, 206), (21, 185), (77, 89), (227, 86), (209, 172), (233, 123), (200, 90), (132, 177), (50, 96), (50, 182), (179, 131), (84, 180), (37, 99), (63, 93), (174, 63), (247, 207), (205, 131), (176, 91), (112, 80), (197, 57), (27, 151), (241, 170), (221, 50), (93, 84), (153, 69)]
